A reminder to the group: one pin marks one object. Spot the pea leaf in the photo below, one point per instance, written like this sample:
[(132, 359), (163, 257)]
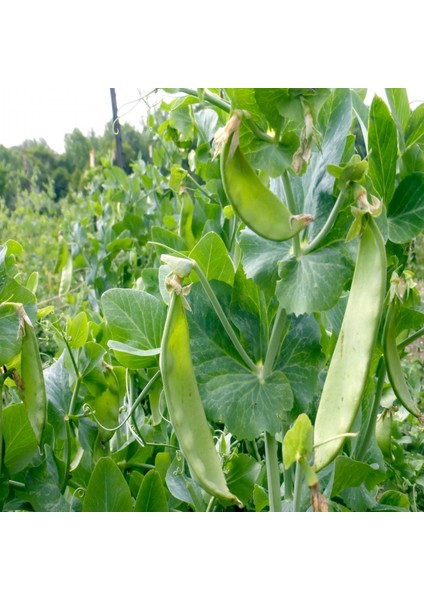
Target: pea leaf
[(137, 319), (261, 257), (43, 486), (212, 256), (10, 333), (107, 489), (151, 496), (399, 105), (349, 473), (242, 473), (298, 441), (301, 360), (59, 395), (415, 128), (231, 393), (405, 213), (314, 282), (20, 443), (78, 330), (382, 141), (333, 124)]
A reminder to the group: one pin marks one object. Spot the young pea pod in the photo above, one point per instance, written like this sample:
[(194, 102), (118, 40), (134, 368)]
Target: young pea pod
[(34, 390), (185, 406), (383, 433), (393, 364), (349, 368), (254, 203)]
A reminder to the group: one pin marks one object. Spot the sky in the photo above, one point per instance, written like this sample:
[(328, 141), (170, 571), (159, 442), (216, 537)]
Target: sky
[(52, 111)]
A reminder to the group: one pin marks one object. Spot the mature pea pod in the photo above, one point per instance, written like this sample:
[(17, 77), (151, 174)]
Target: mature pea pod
[(383, 433), (185, 406), (349, 368), (254, 203), (393, 364), (34, 390)]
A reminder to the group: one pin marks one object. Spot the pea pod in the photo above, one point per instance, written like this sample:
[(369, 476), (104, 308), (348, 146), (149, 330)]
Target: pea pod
[(185, 406), (383, 433), (254, 203), (34, 390), (393, 364), (349, 368)]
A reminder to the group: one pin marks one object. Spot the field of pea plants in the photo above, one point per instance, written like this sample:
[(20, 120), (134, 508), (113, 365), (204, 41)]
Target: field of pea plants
[(233, 322)]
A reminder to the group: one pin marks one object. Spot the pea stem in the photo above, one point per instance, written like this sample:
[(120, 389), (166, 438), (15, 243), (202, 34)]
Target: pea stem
[(67, 451), (411, 338), (327, 225), (288, 190), (369, 431), (297, 487), (212, 98), (223, 318), (272, 472), (274, 342)]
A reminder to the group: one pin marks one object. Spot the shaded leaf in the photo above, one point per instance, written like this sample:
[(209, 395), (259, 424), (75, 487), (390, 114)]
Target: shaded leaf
[(21, 446), (382, 141), (405, 213), (151, 496), (107, 489)]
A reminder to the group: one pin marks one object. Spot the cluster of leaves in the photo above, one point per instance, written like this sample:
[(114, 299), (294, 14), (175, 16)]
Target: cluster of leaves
[(108, 444)]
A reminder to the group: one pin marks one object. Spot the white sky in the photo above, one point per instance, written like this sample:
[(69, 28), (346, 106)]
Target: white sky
[(51, 112)]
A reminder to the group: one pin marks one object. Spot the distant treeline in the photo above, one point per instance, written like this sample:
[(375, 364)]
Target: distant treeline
[(34, 165)]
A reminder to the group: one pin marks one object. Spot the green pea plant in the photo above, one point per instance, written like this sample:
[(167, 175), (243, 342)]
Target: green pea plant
[(241, 335)]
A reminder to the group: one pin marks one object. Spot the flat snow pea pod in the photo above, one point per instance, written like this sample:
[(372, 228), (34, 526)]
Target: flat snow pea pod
[(349, 367), (254, 203), (383, 433), (34, 389), (1, 421), (185, 406), (393, 364)]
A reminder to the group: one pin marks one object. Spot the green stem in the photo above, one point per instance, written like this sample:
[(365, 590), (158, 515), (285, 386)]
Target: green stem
[(274, 342), (370, 429), (288, 190), (67, 453), (297, 487), (223, 318), (273, 473), (201, 190), (212, 98), (288, 473), (327, 225), (17, 485), (411, 338)]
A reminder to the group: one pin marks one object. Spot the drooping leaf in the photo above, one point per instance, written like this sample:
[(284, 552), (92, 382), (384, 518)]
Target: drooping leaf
[(382, 141), (314, 282), (405, 213), (107, 489), (151, 496)]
